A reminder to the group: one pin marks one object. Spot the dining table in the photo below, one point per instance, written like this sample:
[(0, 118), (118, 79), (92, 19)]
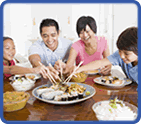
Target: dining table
[(37, 110)]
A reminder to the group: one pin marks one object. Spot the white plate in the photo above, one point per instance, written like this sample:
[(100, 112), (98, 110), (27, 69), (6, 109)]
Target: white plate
[(88, 88), (93, 72), (125, 82), (100, 117), (36, 76)]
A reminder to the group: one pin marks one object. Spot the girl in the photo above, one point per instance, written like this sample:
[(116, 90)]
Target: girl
[(9, 65), (126, 56)]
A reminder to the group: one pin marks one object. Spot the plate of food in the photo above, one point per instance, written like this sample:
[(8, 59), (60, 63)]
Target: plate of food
[(115, 110), (111, 81), (69, 93), (93, 72)]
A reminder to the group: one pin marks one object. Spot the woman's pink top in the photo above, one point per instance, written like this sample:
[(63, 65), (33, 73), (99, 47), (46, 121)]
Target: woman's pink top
[(11, 64), (79, 46)]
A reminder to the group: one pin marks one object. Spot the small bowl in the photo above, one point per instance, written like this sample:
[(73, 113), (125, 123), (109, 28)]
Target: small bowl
[(26, 85), (81, 77), (11, 106)]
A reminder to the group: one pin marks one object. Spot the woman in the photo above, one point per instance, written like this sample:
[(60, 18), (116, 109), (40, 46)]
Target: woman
[(126, 56), (90, 47)]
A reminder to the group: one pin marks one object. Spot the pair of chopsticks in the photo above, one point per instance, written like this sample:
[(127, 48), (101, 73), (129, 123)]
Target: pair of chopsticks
[(73, 73), (49, 75)]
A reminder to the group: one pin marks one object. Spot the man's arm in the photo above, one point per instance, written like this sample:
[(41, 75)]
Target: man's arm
[(35, 60)]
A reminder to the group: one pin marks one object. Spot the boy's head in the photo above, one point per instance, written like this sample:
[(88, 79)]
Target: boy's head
[(128, 40), (8, 49), (127, 45)]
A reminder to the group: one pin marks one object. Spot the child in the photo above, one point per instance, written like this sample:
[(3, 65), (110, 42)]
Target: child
[(9, 65), (126, 56)]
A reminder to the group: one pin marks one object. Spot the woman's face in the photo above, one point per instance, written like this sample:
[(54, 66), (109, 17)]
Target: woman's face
[(8, 50), (128, 56), (87, 35)]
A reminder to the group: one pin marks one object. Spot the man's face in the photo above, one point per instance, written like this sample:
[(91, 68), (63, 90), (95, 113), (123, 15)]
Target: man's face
[(50, 37)]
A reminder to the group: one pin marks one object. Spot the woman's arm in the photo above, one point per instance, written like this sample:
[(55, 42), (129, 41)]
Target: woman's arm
[(71, 60), (94, 65), (107, 69)]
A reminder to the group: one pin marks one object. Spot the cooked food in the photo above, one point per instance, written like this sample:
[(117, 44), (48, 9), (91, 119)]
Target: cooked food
[(30, 77), (111, 80), (92, 72), (80, 77), (14, 100), (61, 92), (114, 110)]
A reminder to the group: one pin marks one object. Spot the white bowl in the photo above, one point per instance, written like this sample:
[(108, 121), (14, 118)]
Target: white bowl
[(24, 85), (103, 113)]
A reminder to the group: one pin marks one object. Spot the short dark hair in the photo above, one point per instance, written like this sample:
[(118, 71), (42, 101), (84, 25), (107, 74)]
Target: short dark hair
[(83, 21), (49, 22), (128, 40), (5, 38)]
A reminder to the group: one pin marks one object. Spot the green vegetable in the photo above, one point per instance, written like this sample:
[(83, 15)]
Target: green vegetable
[(110, 110), (87, 93)]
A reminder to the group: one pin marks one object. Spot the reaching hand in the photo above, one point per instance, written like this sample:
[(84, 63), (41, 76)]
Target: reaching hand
[(59, 64), (106, 70)]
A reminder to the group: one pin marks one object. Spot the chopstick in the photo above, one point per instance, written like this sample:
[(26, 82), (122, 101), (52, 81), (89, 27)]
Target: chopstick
[(58, 76), (68, 79), (48, 75)]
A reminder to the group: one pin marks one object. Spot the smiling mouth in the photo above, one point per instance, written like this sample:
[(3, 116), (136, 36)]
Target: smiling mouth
[(11, 55), (50, 42), (87, 38)]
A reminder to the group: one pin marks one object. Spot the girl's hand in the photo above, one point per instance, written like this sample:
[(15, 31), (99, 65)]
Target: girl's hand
[(106, 70)]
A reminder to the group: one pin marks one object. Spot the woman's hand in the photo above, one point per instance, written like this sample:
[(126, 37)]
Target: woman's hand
[(106, 70)]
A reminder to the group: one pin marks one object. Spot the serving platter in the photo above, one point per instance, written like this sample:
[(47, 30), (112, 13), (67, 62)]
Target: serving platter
[(102, 117), (125, 82), (88, 88)]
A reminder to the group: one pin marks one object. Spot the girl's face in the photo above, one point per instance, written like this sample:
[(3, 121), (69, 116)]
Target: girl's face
[(87, 35), (8, 50), (128, 56)]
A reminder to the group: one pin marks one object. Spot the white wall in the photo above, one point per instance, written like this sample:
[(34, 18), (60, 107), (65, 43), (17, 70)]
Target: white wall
[(111, 20)]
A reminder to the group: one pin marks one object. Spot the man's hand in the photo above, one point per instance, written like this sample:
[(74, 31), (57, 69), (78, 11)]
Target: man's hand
[(59, 65)]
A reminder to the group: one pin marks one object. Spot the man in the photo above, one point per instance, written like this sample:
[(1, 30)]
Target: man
[(51, 48)]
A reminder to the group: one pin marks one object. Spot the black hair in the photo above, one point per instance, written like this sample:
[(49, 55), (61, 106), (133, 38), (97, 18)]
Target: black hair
[(5, 38), (86, 20), (128, 40), (49, 22)]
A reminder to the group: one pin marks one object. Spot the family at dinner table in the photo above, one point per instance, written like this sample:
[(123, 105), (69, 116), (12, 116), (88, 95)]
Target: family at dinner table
[(53, 53)]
